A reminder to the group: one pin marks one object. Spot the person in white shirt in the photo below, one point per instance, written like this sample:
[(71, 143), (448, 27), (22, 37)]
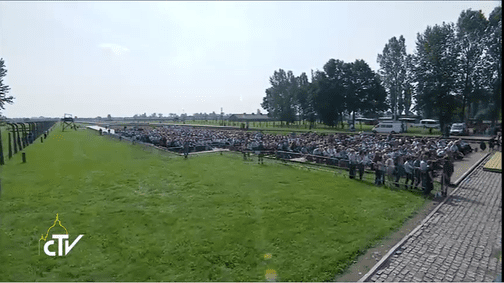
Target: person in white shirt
[(408, 169), (389, 165), (424, 169), (326, 152)]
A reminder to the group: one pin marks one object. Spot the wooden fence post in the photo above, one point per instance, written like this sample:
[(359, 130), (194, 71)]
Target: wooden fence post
[(10, 146), (1, 151)]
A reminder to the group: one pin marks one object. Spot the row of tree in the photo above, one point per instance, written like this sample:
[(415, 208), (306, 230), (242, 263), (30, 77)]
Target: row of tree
[(340, 88), (455, 73)]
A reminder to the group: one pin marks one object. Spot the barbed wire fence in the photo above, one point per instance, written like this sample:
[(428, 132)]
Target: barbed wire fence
[(21, 135)]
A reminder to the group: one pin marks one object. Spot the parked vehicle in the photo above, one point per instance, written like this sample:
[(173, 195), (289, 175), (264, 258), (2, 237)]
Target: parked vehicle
[(390, 127), (458, 129), (428, 123)]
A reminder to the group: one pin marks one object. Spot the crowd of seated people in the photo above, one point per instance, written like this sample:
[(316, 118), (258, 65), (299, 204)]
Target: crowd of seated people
[(391, 157), (202, 139)]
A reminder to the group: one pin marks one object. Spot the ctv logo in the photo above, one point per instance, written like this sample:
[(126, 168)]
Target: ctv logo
[(60, 238)]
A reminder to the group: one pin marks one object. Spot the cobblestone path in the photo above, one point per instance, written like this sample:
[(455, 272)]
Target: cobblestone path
[(462, 241)]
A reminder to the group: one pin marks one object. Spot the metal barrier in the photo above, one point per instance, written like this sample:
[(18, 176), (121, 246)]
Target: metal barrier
[(387, 180)]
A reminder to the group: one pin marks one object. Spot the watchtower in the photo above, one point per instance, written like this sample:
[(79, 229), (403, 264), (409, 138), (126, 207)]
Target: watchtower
[(68, 122)]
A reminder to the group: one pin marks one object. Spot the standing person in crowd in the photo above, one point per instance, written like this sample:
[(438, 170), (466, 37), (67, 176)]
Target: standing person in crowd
[(417, 172), (361, 161), (377, 164), (186, 149), (408, 169), (399, 169), (482, 146), (260, 154), (244, 151), (424, 170), (381, 166), (389, 165), (352, 159), (498, 140), (430, 176), (491, 144), (446, 177)]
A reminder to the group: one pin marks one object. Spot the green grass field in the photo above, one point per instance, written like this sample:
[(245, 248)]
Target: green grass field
[(148, 215)]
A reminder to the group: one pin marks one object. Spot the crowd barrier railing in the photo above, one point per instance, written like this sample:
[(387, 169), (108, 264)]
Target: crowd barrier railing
[(387, 179)]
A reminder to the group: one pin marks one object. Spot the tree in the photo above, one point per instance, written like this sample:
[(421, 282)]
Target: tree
[(310, 111), (4, 89), (160, 115), (109, 118), (409, 85), (304, 97), (436, 70), (301, 94), (280, 99), (364, 90), (213, 116), (471, 26), (329, 94), (393, 64), (494, 45)]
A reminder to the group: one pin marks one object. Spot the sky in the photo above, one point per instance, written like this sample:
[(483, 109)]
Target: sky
[(92, 59)]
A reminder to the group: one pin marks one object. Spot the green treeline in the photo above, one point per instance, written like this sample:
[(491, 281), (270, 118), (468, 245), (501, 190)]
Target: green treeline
[(454, 74)]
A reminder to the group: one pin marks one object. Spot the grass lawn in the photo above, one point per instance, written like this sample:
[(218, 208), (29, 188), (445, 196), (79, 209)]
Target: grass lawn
[(147, 215)]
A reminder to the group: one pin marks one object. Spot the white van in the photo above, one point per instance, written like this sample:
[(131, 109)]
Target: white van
[(390, 127), (429, 123)]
